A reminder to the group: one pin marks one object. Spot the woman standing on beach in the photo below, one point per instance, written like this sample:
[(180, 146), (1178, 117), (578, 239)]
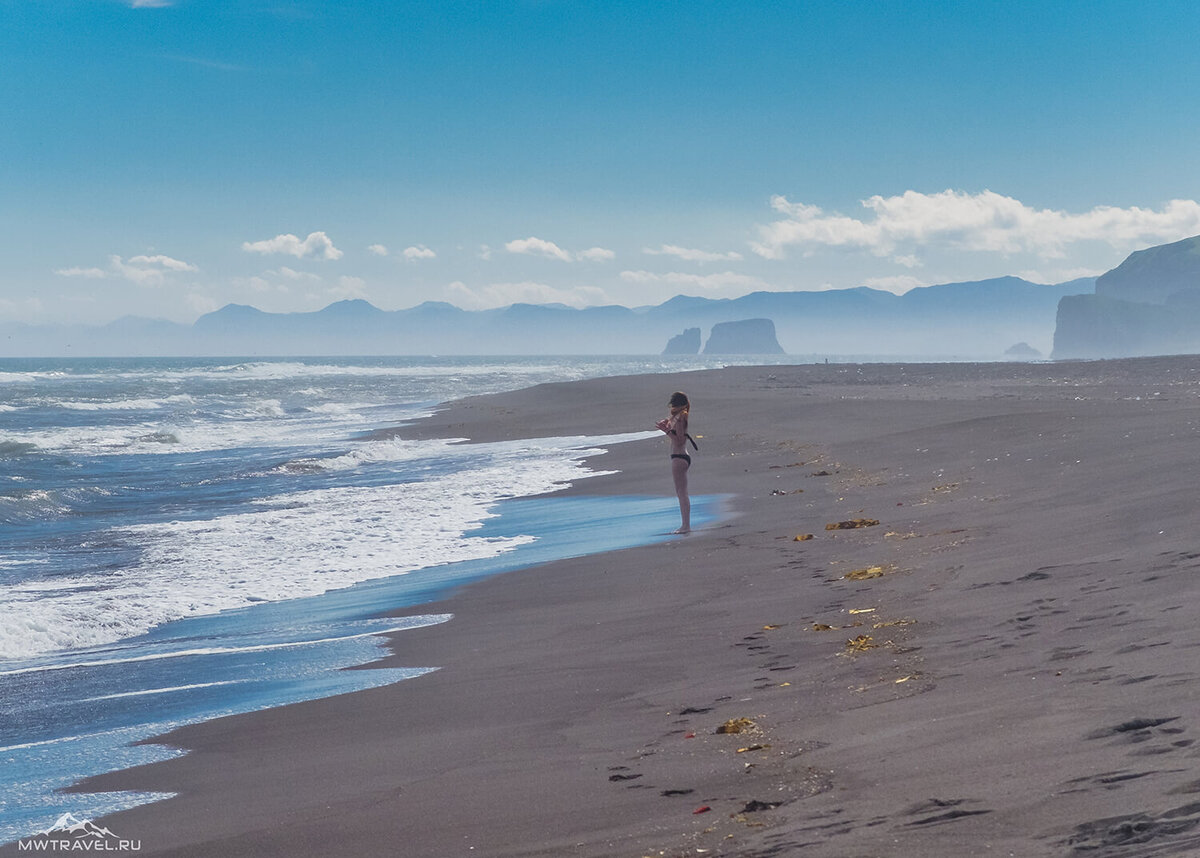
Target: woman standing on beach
[(676, 427)]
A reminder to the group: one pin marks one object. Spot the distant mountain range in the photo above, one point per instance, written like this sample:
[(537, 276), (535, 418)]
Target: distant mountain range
[(978, 319), (1147, 305)]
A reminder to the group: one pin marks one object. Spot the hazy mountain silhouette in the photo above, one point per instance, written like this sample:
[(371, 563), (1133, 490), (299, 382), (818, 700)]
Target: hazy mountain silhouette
[(1147, 305), (977, 319)]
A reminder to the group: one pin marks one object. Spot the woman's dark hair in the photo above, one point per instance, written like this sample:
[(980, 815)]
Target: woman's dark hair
[(679, 400)]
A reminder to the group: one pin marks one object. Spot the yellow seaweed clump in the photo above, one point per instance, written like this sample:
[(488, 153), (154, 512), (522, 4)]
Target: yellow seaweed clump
[(736, 725), (852, 524), (862, 643), (866, 573)]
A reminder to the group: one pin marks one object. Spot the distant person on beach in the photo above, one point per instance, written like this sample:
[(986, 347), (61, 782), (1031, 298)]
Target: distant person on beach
[(676, 427)]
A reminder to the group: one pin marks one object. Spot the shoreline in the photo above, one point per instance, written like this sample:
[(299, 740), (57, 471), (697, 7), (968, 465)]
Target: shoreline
[(1025, 686)]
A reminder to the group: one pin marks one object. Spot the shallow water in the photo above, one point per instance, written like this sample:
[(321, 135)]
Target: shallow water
[(182, 540)]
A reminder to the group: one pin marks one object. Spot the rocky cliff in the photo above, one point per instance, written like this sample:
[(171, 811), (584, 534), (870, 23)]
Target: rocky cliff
[(687, 343), (1147, 305), (747, 337)]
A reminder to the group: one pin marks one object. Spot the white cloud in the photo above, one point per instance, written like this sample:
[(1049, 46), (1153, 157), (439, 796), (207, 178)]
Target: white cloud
[(537, 247), (419, 251), (316, 244), (897, 284), (165, 261), (293, 274), (260, 284), (485, 252), (596, 254), (1058, 275), (89, 273), (148, 270), (984, 222), (349, 287), (143, 270), (550, 250), (378, 249), (692, 255), (200, 304), (527, 292), (707, 282)]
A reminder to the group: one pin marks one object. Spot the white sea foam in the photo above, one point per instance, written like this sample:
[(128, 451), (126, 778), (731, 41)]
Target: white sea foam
[(149, 692), (114, 405), (260, 423), (401, 625), (302, 544)]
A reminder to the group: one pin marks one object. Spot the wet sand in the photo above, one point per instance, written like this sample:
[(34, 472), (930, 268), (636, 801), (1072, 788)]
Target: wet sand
[(1004, 664)]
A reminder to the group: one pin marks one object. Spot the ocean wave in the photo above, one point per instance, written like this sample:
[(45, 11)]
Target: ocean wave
[(25, 505), (303, 544), (368, 453), (114, 405), (12, 449)]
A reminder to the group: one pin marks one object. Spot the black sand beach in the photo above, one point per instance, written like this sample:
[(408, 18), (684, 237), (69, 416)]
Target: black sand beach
[(1004, 664)]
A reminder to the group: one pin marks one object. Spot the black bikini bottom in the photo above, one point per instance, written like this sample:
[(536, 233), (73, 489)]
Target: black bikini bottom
[(683, 456)]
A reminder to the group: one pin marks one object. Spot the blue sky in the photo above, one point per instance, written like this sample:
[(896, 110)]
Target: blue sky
[(166, 157)]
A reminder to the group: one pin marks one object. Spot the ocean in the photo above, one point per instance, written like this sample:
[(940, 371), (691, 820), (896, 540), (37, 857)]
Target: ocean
[(182, 539)]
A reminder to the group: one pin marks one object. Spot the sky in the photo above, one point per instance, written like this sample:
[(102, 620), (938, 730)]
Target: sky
[(163, 158)]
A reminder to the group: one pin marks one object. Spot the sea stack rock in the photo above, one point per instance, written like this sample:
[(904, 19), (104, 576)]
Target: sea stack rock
[(747, 337), (687, 343), (1022, 351)]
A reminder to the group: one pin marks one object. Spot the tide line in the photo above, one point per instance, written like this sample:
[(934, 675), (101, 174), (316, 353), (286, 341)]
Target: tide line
[(431, 620)]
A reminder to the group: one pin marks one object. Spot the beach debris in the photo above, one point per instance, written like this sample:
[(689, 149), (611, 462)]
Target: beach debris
[(862, 643), (754, 747), (786, 684), (704, 808), (867, 573), (894, 623), (754, 806), (633, 777), (908, 678), (944, 488), (825, 627), (853, 523), (783, 492), (737, 725), (861, 611), (802, 537), (820, 474), (670, 792), (769, 628), (689, 736)]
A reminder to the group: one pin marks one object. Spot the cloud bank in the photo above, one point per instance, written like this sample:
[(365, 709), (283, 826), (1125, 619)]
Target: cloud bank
[(317, 244), (897, 226), (419, 251), (527, 292), (692, 255), (143, 270), (540, 247), (728, 280)]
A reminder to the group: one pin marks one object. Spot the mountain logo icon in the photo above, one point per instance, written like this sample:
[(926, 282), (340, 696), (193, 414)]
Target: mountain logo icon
[(68, 823), (69, 832)]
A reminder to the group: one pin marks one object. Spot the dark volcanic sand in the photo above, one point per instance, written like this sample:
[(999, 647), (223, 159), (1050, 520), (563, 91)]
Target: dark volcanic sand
[(1025, 684)]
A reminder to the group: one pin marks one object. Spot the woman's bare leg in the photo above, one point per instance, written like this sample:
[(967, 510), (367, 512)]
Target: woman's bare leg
[(679, 470)]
